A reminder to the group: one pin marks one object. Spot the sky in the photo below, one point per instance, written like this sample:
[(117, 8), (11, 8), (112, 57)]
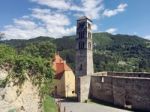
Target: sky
[(25, 19)]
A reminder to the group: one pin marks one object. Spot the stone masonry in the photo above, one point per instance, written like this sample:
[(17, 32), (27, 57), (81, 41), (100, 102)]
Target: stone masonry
[(123, 91), (84, 57), (128, 90)]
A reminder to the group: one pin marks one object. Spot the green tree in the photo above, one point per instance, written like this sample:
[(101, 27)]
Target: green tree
[(7, 55), (41, 49)]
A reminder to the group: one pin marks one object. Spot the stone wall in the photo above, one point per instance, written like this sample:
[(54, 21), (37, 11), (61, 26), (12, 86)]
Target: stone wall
[(123, 74), (130, 92), (83, 88), (129, 74), (101, 88)]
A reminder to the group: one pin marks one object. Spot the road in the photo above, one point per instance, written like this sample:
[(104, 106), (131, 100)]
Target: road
[(88, 107)]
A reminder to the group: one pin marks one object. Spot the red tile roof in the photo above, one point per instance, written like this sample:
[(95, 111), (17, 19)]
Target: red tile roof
[(60, 66)]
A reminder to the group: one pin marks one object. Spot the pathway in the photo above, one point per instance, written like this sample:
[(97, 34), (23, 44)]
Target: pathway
[(88, 107)]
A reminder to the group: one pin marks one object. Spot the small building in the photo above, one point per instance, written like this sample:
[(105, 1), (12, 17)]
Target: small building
[(65, 78)]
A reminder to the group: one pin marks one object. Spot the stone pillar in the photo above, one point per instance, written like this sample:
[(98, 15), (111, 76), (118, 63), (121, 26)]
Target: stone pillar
[(83, 88)]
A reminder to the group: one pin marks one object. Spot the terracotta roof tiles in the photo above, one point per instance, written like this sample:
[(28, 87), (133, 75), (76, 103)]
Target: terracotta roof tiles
[(60, 66)]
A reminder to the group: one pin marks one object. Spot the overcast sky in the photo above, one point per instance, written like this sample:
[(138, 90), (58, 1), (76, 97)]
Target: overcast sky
[(24, 19)]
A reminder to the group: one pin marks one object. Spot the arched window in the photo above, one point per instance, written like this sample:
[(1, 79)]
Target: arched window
[(89, 26), (80, 67), (89, 45), (81, 45), (81, 34), (89, 35)]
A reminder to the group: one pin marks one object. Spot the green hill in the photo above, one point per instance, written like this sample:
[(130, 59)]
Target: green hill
[(111, 52)]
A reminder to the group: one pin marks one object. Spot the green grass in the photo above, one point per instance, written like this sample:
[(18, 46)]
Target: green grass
[(49, 104)]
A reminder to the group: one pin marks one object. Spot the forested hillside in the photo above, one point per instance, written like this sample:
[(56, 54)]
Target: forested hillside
[(111, 52)]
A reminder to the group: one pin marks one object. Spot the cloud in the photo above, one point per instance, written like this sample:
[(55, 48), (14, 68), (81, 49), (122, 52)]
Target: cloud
[(41, 22), (48, 17), (23, 29), (111, 30), (24, 24), (90, 8), (147, 37), (52, 21), (119, 9), (54, 18), (57, 4), (94, 27)]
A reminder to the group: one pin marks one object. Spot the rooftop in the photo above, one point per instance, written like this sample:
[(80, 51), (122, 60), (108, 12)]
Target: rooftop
[(60, 66), (83, 18)]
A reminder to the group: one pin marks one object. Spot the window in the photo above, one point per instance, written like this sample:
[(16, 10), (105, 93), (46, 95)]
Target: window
[(89, 26), (89, 35), (89, 45), (81, 34), (73, 92), (81, 45), (80, 67), (82, 25)]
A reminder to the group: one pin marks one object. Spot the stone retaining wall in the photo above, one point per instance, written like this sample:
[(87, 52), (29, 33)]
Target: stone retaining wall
[(128, 92)]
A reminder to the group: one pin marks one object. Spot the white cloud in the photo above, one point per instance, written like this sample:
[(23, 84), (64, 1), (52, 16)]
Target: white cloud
[(23, 29), (94, 27), (48, 17), (90, 8), (57, 4), (25, 24), (41, 22), (147, 37), (111, 30), (55, 20), (120, 8)]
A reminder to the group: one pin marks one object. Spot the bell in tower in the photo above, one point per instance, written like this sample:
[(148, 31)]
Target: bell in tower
[(84, 47)]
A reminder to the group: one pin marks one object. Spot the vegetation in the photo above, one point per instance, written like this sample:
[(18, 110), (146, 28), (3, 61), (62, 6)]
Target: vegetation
[(111, 52), (122, 53), (33, 61), (49, 104), (34, 56)]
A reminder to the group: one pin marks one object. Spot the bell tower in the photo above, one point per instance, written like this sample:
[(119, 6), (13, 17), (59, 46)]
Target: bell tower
[(84, 47)]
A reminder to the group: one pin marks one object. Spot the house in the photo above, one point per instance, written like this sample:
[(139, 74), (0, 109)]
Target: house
[(65, 78)]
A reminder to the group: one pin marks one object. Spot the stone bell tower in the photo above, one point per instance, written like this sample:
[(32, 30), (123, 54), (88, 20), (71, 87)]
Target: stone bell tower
[(84, 58), (84, 47)]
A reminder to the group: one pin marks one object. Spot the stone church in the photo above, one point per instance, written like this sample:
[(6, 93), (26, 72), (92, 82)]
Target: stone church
[(127, 90)]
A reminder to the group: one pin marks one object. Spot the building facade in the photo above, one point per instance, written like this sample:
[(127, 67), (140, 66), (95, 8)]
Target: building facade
[(84, 57), (127, 90), (84, 47), (64, 78)]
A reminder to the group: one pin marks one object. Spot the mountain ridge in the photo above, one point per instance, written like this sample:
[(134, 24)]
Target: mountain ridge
[(127, 53)]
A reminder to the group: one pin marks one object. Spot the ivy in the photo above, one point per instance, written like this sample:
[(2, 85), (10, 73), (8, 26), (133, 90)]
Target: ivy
[(29, 63)]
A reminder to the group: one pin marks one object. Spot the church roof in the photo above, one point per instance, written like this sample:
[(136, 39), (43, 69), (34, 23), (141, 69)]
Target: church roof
[(60, 66)]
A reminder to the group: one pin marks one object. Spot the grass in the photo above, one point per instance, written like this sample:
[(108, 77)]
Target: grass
[(49, 104)]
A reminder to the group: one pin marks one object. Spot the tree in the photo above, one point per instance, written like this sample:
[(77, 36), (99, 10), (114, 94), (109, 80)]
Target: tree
[(41, 49), (7, 54)]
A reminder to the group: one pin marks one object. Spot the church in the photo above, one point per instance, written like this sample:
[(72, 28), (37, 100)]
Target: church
[(124, 89), (64, 78)]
